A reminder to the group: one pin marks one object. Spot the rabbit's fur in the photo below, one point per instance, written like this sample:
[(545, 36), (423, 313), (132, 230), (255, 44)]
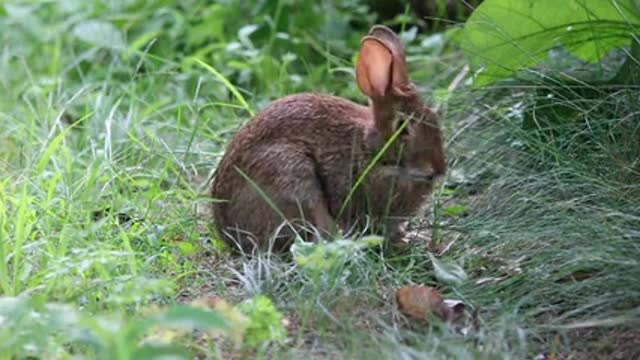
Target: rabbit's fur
[(292, 167)]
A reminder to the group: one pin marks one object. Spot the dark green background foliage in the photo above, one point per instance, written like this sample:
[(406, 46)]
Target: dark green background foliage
[(113, 114)]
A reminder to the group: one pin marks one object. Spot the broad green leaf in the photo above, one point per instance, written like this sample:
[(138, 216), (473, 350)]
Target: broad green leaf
[(505, 36)]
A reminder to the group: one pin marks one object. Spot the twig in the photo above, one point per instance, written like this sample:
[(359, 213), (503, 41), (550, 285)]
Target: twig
[(455, 83)]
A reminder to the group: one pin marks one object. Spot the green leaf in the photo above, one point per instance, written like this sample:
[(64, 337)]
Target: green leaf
[(160, 351), (187, 248), (99, 33), (187, 317), (505, 36), (455, 210), (448, 272)]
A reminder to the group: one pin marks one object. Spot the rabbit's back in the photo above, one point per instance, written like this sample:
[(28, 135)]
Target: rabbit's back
[(304, 117), (328, 129)]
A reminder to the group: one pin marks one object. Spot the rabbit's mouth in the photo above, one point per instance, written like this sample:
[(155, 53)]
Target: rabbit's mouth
[(421, 176), (410, 174)]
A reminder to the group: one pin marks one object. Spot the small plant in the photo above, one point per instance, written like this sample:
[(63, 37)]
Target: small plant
[(264, 322), (327, 257)]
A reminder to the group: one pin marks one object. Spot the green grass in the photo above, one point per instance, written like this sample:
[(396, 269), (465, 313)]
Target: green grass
[(106, 148)]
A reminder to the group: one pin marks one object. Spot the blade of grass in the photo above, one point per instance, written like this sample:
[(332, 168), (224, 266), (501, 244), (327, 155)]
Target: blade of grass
[(226, 83), (55, 144), (371, 165), (4, 242), (23, 228)]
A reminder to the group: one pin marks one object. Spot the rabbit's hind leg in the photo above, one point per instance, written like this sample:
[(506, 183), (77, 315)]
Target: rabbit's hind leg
[(291, 182)]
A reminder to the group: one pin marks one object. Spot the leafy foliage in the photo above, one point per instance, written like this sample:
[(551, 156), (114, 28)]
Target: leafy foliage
[(503, 37), (32, 326)]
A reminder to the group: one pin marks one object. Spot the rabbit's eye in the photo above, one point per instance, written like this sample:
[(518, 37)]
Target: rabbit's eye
[(404, 128)]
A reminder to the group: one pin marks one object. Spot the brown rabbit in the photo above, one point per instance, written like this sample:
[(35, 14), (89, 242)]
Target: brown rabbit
[(290, 169)]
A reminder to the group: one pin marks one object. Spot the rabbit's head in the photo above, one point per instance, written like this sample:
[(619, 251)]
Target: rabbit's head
[(382, 75), (422, 149)]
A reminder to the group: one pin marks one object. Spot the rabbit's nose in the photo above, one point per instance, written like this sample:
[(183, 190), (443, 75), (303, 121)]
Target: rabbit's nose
[(439, 166), (435, 156), (436, 175)]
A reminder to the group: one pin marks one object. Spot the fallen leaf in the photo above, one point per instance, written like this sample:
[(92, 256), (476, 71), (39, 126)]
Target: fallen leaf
[(419, 302), (417, 236)]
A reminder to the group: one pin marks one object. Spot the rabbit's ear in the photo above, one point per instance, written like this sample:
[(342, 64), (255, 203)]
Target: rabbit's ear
[(394, 44), (388, 36), (374, 68)]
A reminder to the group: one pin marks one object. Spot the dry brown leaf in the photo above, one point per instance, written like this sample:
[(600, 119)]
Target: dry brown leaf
[(418, 302), (421, 302)]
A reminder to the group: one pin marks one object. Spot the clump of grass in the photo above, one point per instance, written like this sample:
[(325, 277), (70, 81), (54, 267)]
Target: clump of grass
[(551, 232)]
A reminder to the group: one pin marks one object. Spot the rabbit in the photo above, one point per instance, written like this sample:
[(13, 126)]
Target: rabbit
[(289, 170)]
